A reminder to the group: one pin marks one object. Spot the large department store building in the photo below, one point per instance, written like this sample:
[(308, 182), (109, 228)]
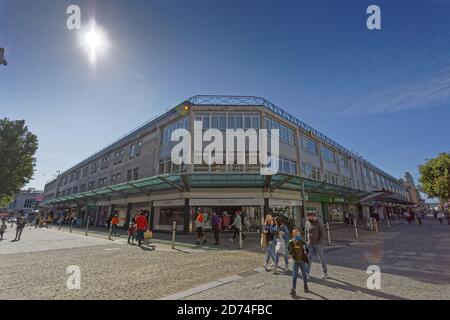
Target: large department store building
[(136, 173)]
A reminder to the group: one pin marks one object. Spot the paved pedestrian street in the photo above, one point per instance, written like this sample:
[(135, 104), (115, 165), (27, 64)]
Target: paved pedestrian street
[(413, 260)]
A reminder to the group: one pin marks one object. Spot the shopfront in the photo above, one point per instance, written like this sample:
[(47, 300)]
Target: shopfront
[(165, 212), (251, 210), (290, 210)]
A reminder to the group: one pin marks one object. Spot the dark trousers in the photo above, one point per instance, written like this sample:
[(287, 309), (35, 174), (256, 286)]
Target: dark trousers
[(216, 233), (114, 229), (18, 233), (1, 234), (236, 234)]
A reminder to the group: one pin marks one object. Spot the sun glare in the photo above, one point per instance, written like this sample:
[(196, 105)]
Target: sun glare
[(94, 41)]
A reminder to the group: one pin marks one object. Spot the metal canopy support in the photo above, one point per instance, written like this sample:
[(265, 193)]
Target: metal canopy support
[(267, 180), (173, 184), (280, 183), (185, 180)]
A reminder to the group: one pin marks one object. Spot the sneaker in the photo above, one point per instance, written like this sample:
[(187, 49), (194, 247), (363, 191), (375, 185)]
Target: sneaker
[(293, 293), (306, 290), (324, 276)]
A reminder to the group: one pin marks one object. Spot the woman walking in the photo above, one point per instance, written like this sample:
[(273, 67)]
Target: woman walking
[(281, 248), (269, 230), (199, 223)]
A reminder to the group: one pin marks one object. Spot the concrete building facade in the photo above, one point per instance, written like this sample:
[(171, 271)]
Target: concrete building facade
[(136, 172)]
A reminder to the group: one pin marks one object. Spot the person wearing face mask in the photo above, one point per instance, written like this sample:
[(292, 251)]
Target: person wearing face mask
[(298, 250)]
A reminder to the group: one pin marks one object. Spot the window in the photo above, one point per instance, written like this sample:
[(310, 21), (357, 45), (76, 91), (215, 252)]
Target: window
[(311, 172), (85, 171), (75, 189), (121, 153), (115, 178), (29, 203), (102, 182), (310, 146), (103, 164), (77, 175), (129, 172), (286, 134), (328, 154), (132, 150), (83, 188), (91, 185), (287, 166), (65, 180), (167, 131), (116, 158), (331, 178), (71, 177), (136, 173), (138, 148), (344, 162), (347, 182), (94, 167)]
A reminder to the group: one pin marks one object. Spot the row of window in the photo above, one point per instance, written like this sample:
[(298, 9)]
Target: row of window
[(134, 151), (132, 174), (310, 146), (228, 120), (286, 134)]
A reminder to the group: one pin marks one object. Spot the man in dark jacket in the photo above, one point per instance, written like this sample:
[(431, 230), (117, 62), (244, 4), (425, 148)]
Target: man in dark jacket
[(314, 235)]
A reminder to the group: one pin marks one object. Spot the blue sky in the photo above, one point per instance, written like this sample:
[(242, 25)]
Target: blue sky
[(384, 93)]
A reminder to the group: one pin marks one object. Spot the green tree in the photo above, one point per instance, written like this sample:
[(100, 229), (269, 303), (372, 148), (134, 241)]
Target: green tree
[(17, 149), (435, 177)]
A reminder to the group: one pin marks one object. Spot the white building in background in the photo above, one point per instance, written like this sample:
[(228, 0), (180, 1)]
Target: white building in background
[(26, 201)]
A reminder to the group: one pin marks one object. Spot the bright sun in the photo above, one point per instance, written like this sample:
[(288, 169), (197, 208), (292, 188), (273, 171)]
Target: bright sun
[(94, 41)]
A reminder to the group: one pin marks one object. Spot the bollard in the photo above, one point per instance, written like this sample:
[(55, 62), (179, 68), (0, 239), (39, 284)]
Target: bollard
[(71, 225), (87, 227), (240, 238), (174, 231), (328, 233), (371, 224), (387, 221), (356, 230), (376, 225), (396, 221), (60, 223)]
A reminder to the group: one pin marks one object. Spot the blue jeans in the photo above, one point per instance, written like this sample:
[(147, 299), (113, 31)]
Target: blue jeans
[(270, 251), (286, 256), (314, 250), (296, 265)]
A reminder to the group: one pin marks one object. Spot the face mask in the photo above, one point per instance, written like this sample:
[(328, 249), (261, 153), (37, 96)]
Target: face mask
[(298, 238)]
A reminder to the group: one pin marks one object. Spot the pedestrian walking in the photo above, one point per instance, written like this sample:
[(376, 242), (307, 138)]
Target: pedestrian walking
[(49, 221), (314, 236), (131, 232), (282, 241), (435, 213), (19, 228), (37, 222), (237, 224), (268, 240), (419, 218), (216, 227), (114, 223), (298, 250), (448, 217), (141, 227), (199, 223), (440, 216), (3, 228)]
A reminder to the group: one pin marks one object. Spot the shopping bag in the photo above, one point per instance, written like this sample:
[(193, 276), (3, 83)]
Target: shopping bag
[(280, 248), (263, 240), (148, 235)]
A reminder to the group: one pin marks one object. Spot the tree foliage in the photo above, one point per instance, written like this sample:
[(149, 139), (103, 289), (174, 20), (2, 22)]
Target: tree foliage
[(435, 177), (17, 149)]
